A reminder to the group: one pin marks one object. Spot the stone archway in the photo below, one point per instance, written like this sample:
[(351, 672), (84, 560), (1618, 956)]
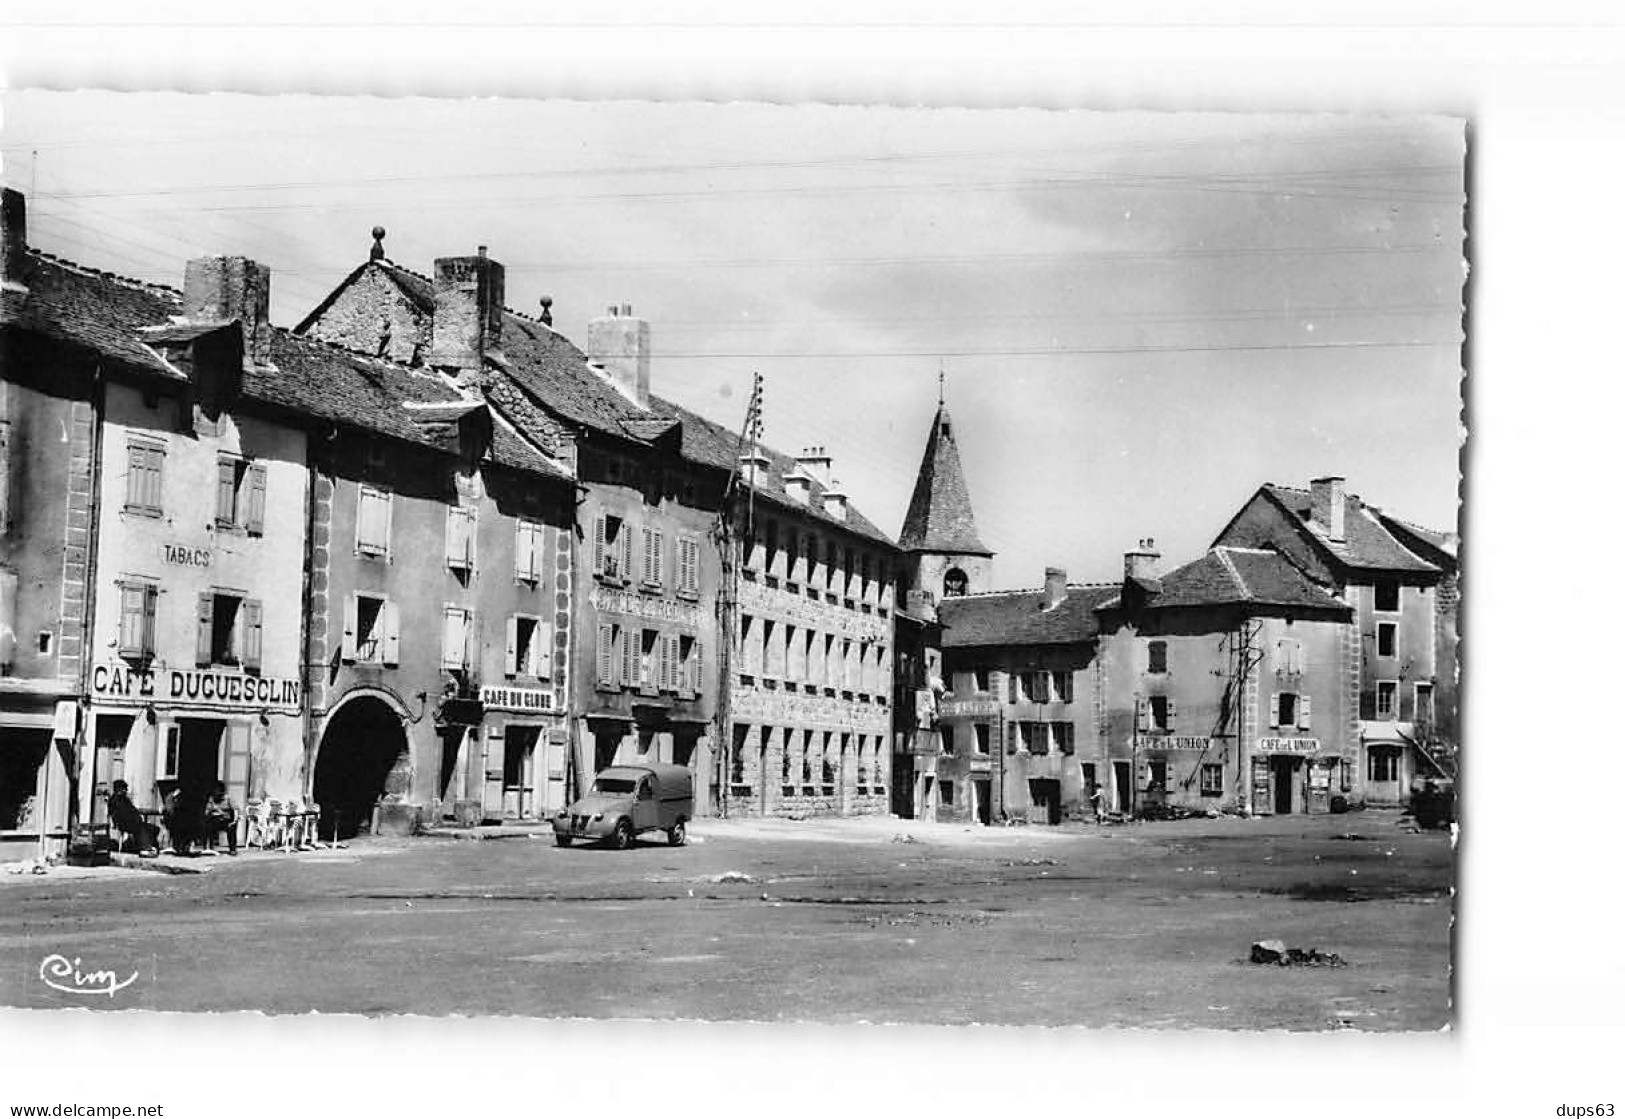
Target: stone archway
[(364, 757)]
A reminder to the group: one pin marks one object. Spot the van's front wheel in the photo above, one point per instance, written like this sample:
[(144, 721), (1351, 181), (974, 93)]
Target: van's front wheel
[(621, 837), (677, 834)]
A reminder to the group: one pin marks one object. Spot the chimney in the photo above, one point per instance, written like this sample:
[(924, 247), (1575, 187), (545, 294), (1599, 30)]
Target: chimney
[(816, 462), (1054, 587), (1326, 505), (618, 343), (222, 289), (469, 295), (798, 485), (1142, 562), (13, 239), (753, 467), (835, 501)]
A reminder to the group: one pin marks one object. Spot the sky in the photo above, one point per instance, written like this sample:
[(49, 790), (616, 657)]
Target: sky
[(1138, 318)]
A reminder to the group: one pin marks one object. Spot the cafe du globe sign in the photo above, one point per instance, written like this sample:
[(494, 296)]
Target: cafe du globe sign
[(192, 687)]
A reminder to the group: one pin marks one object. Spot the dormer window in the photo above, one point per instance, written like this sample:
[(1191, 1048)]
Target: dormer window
[(954, 583)]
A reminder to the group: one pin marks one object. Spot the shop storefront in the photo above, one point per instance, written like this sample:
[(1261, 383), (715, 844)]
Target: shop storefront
[(525, 754), (37, 751), (1297, 775)]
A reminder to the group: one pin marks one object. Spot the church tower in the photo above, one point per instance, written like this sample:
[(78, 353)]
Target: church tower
[(943, 554)]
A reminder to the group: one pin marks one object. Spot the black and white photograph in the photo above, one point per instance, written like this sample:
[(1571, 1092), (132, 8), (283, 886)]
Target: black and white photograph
[(628, 563)]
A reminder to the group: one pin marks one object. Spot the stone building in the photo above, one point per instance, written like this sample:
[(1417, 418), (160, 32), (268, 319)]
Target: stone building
[(641, 571), (1227, 683), (810, 675), (66, 334), (1349, 547)]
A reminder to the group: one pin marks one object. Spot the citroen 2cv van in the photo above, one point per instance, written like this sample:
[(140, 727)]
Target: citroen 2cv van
[(627, 800)]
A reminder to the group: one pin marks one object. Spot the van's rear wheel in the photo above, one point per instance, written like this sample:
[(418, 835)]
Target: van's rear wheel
[(677, 834), (621, 837), (561, 838)]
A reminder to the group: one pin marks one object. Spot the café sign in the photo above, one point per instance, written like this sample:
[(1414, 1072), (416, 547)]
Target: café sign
[(641, 606), (966, 708), (1289, 745), (517, 699), (192, 687), (1177, 742)]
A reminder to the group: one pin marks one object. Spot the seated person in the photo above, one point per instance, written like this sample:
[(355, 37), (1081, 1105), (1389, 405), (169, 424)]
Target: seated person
[(220, 815), (123, 815), (184, 816)]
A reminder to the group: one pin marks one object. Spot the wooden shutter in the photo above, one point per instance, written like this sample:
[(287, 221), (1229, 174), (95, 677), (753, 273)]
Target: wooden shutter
[(351, 608), (237, 760), (254, 513), (525, 566), (510, 664), (1011, 678), (541, 651), (598, 526), (628, 677), (205, 628), (389, 620), (1303, 712), (253, 639), (660, 559), (1301, 659), (1170, 702), (1275, 709), (225, 505), (454, 641), (1145, 715), (132, 608), (606, 654)]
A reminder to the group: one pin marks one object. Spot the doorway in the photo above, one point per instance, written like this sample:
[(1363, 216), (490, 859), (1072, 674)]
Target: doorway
[(1123, 786), (1283, 775), (363, 755), (519, 772), (197, 761), (982, 791), (22, 761), (1045, 794)]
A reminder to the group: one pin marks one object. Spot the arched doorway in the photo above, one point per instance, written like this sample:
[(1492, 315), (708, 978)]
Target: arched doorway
[(363, 757)]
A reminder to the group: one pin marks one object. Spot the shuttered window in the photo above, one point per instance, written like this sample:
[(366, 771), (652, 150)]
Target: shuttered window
[(688, 566), (460, 526), (454, 641), (372, 522), (138, 608), (225, 504), (253, 502), (144, 484), (1303, 712), (606, 655), (527, 552), (252, 637), (629, 659)]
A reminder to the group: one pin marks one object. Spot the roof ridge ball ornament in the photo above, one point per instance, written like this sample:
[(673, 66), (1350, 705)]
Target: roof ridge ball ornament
[(547, 310), (377, 243)]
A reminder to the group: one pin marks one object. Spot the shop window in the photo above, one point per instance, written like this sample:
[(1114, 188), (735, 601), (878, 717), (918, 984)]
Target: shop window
[(1387, 638), (527, 649), (1382, 764), (20, 763), (144, 482), (138, 607), (984, 737), (460, 536), (1212, 779), (527, 552), (947, 739), (373, 513), (1156, 657), (1386, 596), (240, 495), (1387, 699)]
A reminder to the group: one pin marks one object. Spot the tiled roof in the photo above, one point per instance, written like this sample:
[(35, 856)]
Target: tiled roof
[(1228, 576), (1441, 549), (1019, 617), (85, 307), (939, 517), (334, 384), (710, 444), (1365, 544)]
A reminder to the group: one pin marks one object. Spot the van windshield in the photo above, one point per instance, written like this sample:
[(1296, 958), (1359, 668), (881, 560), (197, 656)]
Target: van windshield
[(614, 784)]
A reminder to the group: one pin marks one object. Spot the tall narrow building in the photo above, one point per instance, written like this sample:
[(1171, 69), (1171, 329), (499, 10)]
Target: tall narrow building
[(943, 554)]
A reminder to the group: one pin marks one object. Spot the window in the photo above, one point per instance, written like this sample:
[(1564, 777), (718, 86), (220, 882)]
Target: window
[(771, 538), (138, 606), (649, 661), (372, 522), (1035, 737), (1156, 657), (654, 557), (1286, 710), (527, 552), (984, 737), (1212, 779), (1159, 712), (671, 663), (983, 679), (1387, 638), (607, 657), (1424, 704), (947, 739), (144, 484), (460, 538), (688, 658), (229, 630), (1289, 656), (945, 792), (454, 639), (1063, 737), (372, 633), (527, 650), (1387, 699), (954, 583), (1382, 764), (611, 548), (1063, 686), (688, 566), (1386, 596), (815, 571), (240, 495)]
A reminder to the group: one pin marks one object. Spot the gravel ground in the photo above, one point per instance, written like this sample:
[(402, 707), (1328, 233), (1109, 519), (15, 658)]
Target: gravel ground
[(1145, 925)]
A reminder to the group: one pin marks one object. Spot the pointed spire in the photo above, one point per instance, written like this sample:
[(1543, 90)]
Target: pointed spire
[(939, 517)]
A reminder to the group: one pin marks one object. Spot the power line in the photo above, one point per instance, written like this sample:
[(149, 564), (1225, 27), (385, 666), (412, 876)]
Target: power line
[(1050, 350)]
